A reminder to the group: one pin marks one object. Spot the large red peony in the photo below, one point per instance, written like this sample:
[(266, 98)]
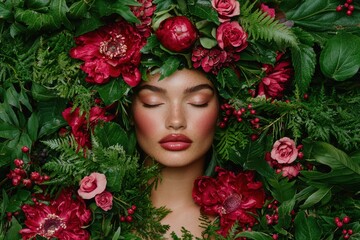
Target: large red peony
[(110, 51), (232, 197), (64, 219)]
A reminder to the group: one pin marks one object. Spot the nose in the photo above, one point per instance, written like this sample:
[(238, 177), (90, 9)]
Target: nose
[(176, 117)]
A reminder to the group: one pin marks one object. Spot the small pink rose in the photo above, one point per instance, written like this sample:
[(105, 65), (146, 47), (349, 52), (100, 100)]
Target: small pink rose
[(92, 185), (231, 37), (291, 171), (104, 200), (226, 9), (268, 10), (284, 150)]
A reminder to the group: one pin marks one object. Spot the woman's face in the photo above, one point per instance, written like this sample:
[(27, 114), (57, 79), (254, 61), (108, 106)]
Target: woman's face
[(175, 118)]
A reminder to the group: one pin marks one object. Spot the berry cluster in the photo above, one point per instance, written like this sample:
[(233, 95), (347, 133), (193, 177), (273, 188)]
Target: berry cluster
[(348, 7), (341, 225), (240, 115), (19, 174), (272, 217), (128, 218)]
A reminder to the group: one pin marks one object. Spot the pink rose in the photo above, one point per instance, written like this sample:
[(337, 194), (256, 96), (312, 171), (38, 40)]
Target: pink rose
[(92, 185), (291, 171), (231, 37), (226, 9), (284, 150), (104, 200)]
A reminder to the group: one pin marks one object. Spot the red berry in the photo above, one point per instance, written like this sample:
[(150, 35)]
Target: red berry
[(344, 231), (336, 219), (25, 149), (34, 176), (339, 8), (19, 163), (348, 12), (15, 181), (256, 120), (346, 236), (133, 207), (122, 219), (306, 96), (129, 218), (252, 111), (254, 137), (300, 155), (130, 211), (350, 231), (349, 1), (351, 8), (239, 119), (46, 177), (275, 236), (222, 125), (339, 224), (346, 219), (249, 106)]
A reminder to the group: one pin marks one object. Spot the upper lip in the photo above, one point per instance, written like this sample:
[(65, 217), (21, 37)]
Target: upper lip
[(175, 138)]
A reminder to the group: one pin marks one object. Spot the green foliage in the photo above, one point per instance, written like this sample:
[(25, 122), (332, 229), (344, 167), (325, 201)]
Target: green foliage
[(259, 25)]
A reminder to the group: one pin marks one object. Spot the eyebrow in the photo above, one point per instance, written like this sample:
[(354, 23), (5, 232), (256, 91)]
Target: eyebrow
[(186, 91)]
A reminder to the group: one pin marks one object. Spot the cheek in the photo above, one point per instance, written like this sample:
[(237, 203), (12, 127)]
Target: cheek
[(206, 123), (145, 123)]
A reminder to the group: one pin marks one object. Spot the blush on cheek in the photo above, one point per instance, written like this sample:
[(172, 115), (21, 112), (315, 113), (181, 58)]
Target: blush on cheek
[(207, 122)]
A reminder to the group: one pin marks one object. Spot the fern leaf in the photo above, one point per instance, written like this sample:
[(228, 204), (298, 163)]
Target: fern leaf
[(259, 25)]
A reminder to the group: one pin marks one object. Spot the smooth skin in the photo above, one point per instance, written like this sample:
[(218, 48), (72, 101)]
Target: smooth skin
[(184, 108)]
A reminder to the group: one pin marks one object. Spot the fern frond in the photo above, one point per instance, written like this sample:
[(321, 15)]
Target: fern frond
[(228, 139), (259, 25)]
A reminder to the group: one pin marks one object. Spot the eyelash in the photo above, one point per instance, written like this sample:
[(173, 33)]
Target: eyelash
[(199, 105), (192, 104), (151, 105)]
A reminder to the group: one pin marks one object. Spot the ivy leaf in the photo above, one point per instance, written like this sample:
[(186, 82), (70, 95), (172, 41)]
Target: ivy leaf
[(304, 61), (340, 59), (306, 227)]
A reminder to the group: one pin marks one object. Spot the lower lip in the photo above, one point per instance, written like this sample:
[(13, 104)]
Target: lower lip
[(175, 146)]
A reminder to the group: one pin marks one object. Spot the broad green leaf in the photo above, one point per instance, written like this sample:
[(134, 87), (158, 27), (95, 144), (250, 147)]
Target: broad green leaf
[(284, 211), (5, 12), (8, 115), (49, 115), (24, 99), (110, 133), (78, 9), (315, 15), (58, 10), (169, 67), (12, 97), (316, 197), (208, 42), (8, 131), (117, 234), (112, 91), (304, 61), (35, 20), (254, 235), (306, 227), (204, 10), (5, 155), (40, 93), (340, 59), (13, 232), (281, 189), (33, 126)]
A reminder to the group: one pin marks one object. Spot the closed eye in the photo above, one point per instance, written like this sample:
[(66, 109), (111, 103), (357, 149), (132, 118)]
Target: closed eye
[(151, 105), (199, 105)]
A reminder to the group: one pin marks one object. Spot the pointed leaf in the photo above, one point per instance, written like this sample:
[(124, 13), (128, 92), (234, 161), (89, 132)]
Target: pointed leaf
[(340, 58), (112, 91), (306, 227), (33, 126), (253, 235), (110, 133), (316, 197)]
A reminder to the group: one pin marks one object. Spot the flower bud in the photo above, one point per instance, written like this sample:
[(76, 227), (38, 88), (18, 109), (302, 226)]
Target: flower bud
[(177, 33)]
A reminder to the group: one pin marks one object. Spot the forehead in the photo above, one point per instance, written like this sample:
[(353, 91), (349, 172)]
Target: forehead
[(180, 79)]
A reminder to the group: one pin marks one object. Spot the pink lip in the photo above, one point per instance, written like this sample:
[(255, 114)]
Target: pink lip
[(175, 142)]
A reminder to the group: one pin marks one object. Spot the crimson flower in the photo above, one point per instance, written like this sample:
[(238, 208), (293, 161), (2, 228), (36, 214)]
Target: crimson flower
[(277, 77), (144, 14), (63, 219), (110, 51), (212, 60), (232, 197), (80, 124)]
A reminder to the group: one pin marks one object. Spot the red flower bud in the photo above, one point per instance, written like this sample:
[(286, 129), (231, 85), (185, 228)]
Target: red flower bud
[(177, 33), (25, 149)]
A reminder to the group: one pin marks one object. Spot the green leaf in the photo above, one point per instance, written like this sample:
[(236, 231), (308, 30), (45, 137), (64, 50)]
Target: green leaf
[(204, 10), (5, 155), (208, 42), (281, 189), (5, 13), (40, 93), (316, 197), (253, 235), (112, 91), (117, 234), (78, 9), (284, 211), (306, 227), (33, 126), (340, 58), (13, 232), (110, 133), (12, 97), (49, 115), (8, 131), (304, 61), (314, 15), (169, 67)]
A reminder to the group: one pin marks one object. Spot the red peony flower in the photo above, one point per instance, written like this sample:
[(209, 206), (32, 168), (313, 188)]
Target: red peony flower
[(276, 79), (144, 13), (231, 37), (212, 60), (232, 197), (226, 9), (63, 219), (80, 124), (109, 51), (177, 33)]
